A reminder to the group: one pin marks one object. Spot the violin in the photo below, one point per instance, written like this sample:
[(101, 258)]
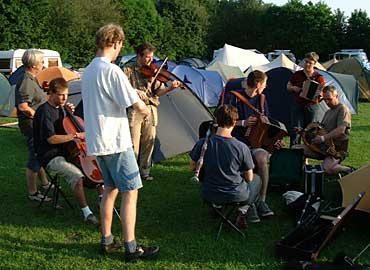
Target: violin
[(77, 151), (155, 72), (159, 73)]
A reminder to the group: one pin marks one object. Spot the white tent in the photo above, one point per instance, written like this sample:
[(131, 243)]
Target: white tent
[(281, 61), (234, 56)]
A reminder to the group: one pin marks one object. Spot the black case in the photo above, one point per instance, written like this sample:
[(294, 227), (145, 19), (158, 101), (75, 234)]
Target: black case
[(307, 239), (286, 167)]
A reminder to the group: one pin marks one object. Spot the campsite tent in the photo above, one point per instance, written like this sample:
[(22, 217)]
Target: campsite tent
[(227, 72), (193, 62), (234, 56), (353, 66), (281, 61), (180, 115), (329, 63), (205, 83), (347, 87), (7, 98)]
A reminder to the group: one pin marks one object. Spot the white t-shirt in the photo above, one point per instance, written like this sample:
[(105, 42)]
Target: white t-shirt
[(106, 93)]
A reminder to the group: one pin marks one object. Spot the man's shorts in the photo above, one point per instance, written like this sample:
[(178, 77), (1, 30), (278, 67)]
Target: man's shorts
[(65, 169), (120, 170)]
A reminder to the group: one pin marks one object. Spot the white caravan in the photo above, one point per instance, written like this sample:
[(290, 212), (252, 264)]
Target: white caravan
[(12, 59)]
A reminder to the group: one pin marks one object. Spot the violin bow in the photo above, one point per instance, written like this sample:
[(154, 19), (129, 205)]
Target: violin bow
[(159, 69)]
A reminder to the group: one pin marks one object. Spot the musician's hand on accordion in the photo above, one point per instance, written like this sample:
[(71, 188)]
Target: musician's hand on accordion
[(279, 144), (251, 121)]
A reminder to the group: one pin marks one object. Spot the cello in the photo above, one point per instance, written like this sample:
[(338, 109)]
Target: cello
[(76, 149)]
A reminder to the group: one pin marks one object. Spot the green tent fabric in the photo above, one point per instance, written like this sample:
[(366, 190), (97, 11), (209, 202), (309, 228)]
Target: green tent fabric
[(6, 97), (226, 72), (346, 85), (353, 66)]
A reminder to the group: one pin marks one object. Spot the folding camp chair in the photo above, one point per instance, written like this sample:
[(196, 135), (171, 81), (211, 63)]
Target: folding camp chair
[(55, 185), (224, 213)]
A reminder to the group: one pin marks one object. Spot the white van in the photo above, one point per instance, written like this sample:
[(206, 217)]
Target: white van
[(12, 59), (347, 53)]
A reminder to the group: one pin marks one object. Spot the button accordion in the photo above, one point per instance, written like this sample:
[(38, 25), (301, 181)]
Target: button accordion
[(265, 133), (311, 92)]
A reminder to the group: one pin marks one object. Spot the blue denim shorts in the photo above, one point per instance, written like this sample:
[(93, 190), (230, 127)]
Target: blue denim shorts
[(32, 163), (120, 170)]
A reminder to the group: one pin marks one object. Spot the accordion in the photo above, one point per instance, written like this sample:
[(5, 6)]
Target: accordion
[(311, 92), (265, 133)]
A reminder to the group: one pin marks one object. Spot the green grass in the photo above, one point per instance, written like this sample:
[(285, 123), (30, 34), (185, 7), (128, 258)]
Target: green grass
[(170, 214)]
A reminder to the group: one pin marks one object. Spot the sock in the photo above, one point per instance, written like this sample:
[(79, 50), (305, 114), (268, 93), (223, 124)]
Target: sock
[(130, 246), (263, 198), (86, 211), (106, 240)]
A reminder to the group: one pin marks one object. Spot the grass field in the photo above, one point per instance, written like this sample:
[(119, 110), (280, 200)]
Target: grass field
[(170, 214)]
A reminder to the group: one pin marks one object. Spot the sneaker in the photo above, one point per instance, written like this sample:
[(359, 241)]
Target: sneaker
[(264, 210), (92, 220), (142, 253), (112, 247), (38, 197), (241, 221), (46, 187), (252, 215)]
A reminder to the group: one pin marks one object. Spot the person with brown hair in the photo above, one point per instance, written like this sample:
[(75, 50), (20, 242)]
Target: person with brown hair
[(107, 93), (143, 128), (253, 86), (304, 112), (228, 166), (49, 143)]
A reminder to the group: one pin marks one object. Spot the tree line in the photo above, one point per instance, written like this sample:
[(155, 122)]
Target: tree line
[(181, 28)]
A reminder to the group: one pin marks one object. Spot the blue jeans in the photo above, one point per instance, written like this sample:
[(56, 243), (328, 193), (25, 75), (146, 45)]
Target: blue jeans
[(300, 117)]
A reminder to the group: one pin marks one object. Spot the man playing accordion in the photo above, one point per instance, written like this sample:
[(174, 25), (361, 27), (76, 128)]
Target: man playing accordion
[(253, 86), (337, 125), (304, 111)]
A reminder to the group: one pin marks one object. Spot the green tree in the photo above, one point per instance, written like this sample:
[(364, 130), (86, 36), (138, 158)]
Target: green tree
[(185, 28), (142, 23), (24, 24), (358, 31), (74, 25)]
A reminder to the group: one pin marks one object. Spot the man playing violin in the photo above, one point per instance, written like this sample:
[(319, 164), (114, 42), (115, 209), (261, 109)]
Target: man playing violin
[(49, 144), (253, 85), (143, 128), (337, 124), (304, 112)]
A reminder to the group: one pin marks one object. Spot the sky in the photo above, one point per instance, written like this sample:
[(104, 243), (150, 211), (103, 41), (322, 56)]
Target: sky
[(344, 5)]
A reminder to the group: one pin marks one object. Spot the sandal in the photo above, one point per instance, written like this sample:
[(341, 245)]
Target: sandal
[(148, 178)]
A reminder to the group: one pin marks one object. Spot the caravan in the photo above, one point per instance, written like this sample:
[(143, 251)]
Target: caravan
[(12, 59)]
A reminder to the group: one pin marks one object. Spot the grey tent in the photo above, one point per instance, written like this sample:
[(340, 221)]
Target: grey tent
[(180, 115), (7, 98)]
